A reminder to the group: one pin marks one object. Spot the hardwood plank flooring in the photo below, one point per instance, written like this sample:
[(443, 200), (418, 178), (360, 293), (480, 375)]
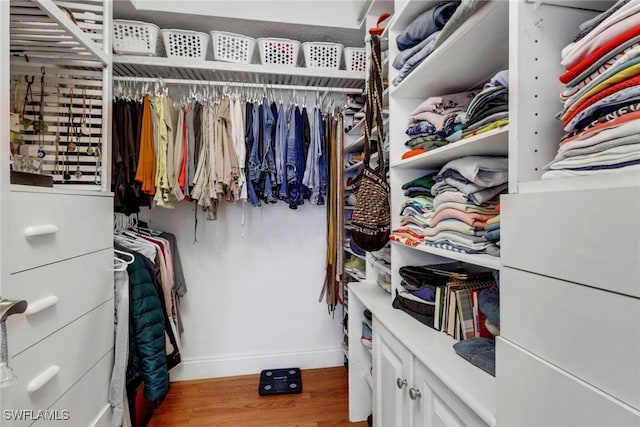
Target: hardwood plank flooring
[(234, 401)]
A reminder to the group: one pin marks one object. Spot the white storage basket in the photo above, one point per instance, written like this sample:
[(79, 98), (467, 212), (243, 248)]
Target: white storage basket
[(275, 51), (135, 37), (232, 47), (355, 58), (322, 55), (185, 44)]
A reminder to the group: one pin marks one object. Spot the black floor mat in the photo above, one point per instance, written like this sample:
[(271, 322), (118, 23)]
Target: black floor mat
[(280, 381)]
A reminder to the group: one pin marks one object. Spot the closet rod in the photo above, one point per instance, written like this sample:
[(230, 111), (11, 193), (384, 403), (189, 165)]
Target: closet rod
[(233, 84)]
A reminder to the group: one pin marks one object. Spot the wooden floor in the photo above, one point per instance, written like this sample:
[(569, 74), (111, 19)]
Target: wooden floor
[(234, 401)]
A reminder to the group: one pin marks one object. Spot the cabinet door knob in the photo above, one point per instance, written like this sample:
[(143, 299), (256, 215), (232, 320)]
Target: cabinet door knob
[(401, 383), (414, 393)]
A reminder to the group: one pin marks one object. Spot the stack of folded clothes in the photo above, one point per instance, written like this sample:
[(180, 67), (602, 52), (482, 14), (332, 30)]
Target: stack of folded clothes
[(429, 31), (416, 210), (602, 97), (436, 122), (492, 234), (417, 41), (466, 194), (489, 109)]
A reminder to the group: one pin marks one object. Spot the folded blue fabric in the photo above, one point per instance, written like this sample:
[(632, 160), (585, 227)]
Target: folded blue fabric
[(426, 24), (481, 352), (489, 304), (493, 235)]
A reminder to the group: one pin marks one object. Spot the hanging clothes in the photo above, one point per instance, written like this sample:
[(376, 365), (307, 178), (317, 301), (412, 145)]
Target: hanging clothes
[(217, 148)]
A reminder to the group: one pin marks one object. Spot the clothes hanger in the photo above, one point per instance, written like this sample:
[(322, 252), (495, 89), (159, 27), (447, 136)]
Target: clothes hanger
[(119, 264), (129, 257)]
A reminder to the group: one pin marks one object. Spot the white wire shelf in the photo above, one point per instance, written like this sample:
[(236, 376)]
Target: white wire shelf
[(204, 70)]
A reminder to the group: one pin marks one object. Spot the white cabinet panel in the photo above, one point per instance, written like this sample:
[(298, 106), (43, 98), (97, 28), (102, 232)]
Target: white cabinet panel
[(49, 227), (533, 392), (84, 402), (391, 361), (48, 369), (60, 293), (590, 237), (593, 334)]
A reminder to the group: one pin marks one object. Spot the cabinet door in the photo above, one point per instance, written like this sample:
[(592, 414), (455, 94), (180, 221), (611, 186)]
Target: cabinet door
[(435, 405), (391, 362)]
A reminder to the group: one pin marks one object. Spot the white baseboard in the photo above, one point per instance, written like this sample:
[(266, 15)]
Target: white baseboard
[(225, 366)]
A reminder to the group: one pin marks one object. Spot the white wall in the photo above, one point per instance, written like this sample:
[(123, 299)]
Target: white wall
[(252, 300)]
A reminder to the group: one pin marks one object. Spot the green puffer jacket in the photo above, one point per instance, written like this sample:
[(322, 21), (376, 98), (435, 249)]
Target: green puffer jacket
[(147, 356)]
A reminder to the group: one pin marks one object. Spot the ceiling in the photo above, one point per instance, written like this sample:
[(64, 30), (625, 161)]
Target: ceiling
[(320, 13)]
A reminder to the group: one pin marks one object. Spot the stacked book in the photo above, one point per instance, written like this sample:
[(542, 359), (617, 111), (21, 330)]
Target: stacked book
[(445, 297)]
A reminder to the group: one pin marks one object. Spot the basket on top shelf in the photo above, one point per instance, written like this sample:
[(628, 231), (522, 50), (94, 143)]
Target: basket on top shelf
[(355, 58), (274, 51), (135, 37), (322, 55), (232, 47), (185, 44)]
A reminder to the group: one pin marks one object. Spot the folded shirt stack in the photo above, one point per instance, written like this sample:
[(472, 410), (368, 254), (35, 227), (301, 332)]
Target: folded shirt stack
[(489, 109), (416, 210), (492, 234), (418, 40), (437, 121), (602, 97), (465, 198)]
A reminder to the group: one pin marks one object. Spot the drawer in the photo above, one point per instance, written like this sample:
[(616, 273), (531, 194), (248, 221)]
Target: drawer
[(49, 227), (87, 402), (533, 392), (593, 334), (48, 369), (58, 293), (590, 237)]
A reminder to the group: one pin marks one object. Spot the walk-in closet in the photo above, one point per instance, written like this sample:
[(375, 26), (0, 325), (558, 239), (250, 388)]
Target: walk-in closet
[(362, 212)]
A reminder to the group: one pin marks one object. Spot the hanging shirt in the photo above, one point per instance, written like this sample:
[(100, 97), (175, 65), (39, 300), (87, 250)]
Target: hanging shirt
[(146, 172), (238, 137)]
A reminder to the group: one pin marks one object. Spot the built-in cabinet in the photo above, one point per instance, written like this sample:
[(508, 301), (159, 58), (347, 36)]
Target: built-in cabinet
[(569, 350), (57, 246)]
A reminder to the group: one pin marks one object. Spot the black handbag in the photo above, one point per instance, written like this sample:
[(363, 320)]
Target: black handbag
[(371, 218)]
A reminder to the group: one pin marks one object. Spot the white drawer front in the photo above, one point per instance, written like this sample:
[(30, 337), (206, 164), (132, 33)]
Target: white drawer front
[(590, 237), (49, 368), (87, 399), (532, 392), (60, 226), (593, 334), (57, 294)]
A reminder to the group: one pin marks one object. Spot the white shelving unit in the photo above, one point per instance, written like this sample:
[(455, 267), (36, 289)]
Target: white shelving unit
[(76, 57), (62, 353), (160, 67), (556, 281)]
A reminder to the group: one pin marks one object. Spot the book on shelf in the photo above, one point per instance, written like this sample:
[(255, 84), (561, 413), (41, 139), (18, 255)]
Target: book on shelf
[(479, 318), (439, 309), (459, 316)]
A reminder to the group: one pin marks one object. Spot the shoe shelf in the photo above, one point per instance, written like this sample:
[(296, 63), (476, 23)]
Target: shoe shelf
[(359, 143), (353, 167)]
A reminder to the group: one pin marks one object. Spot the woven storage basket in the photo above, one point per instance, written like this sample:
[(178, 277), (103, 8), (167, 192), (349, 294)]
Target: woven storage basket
[(322, 55), (275, 51), (135, 37), (232, 47), (185, 44), (355, 58)]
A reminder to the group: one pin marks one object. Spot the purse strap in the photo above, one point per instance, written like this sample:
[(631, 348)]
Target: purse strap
[(373, 108)]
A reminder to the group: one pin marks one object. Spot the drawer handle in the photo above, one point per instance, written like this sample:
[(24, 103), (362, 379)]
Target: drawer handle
[(41, 304), (40, 230), (47, 375)]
